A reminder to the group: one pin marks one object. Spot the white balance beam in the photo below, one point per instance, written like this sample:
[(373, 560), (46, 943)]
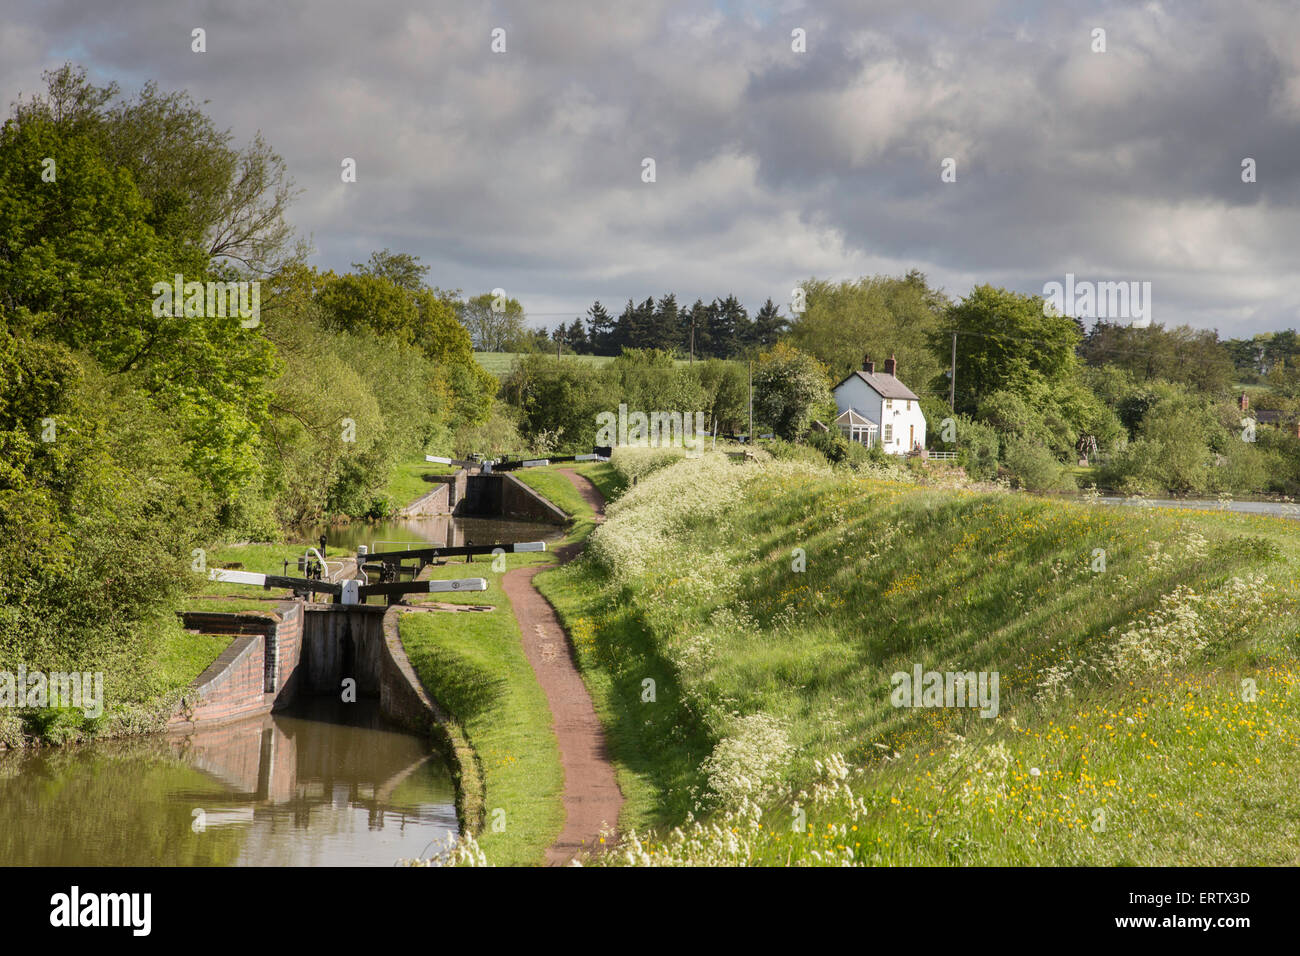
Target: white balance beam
[(236, 577), (459, 584)]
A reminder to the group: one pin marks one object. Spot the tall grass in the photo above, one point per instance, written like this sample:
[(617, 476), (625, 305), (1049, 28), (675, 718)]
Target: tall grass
[(769, 603)]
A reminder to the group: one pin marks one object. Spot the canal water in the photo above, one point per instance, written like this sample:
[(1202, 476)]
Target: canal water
[(322, 783), (1278, 509)]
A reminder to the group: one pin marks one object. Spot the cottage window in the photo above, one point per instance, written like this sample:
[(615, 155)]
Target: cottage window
[(889, 403), (889, 433)]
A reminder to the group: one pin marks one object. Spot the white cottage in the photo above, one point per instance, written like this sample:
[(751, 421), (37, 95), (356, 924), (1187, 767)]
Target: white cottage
[(876, 408)]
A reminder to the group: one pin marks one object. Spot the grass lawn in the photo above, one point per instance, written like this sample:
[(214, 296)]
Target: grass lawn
[(559, 491), (407, 483), (185, 656), (259, 558)]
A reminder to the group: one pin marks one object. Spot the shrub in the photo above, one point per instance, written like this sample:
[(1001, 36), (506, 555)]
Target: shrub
[(833, 446), (1035, 468)]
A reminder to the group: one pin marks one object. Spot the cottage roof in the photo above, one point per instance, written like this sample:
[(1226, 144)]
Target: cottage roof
[(885, 384)]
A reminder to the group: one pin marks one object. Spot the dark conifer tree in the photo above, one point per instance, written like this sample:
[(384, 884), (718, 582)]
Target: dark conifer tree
[(768, 325), (600, 331)]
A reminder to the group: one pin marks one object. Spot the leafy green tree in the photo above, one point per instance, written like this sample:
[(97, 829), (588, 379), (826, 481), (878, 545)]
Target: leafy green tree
[(558, 399), (1034, 468), (400, 268), (788, 385), (1006, 343), (353, 302), (648, 380), (78, 265), (203, 192), (724, 387), (1192, 357), (877, 315), (493, 331)]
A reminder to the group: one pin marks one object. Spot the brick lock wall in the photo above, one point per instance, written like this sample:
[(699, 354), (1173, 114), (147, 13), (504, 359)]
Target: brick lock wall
[(250, 675)]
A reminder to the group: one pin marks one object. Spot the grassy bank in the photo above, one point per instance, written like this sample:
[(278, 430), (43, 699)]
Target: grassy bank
[(409, 481), (771, 603), (559, 490), (473, 663)]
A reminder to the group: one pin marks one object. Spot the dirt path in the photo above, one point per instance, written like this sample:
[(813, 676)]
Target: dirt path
[(591, 795)]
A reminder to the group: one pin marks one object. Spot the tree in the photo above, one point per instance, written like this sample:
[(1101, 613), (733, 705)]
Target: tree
[(558, 400), (788, 385), (203, 191), (695, 329), (724, 385), (665, 330), (399, 268), (1193, 357), (353, 302), (728, 325), (572, 337), (768, 326), (492, 330), (1005, 343), (78, 263), (600, 330), (877, 315), (635, 327)]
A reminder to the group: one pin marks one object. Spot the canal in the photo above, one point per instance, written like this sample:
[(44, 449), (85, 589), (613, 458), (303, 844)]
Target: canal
[(319, 783)]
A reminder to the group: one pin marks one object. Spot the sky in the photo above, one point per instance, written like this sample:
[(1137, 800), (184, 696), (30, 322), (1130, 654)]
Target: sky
[(524, 169)]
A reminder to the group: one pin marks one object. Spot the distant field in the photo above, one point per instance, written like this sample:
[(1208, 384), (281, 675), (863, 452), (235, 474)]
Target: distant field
[(500, 363)]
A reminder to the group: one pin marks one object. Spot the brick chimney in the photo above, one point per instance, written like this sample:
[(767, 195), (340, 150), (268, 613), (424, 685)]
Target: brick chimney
[(891, 366), (868, 366), (1244, 402)]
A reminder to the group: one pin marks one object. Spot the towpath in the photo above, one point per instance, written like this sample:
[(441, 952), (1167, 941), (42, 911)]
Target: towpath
[(591, 796)]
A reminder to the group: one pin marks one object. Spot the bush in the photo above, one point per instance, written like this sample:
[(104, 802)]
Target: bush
[(790, 451), (977, 448), (1035, 468), (832, 445), (495, 438)]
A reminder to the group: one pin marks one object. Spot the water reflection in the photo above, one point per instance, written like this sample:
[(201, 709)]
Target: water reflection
[(323, 784)]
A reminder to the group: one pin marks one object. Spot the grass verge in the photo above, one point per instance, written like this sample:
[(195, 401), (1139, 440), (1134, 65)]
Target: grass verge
[(771, 604), (408, 482)]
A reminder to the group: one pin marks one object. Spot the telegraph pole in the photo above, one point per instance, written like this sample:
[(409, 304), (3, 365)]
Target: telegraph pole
[(750, 439), (952, 377)]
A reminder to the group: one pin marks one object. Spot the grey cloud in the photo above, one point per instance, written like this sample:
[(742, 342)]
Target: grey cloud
[(523, 170)]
